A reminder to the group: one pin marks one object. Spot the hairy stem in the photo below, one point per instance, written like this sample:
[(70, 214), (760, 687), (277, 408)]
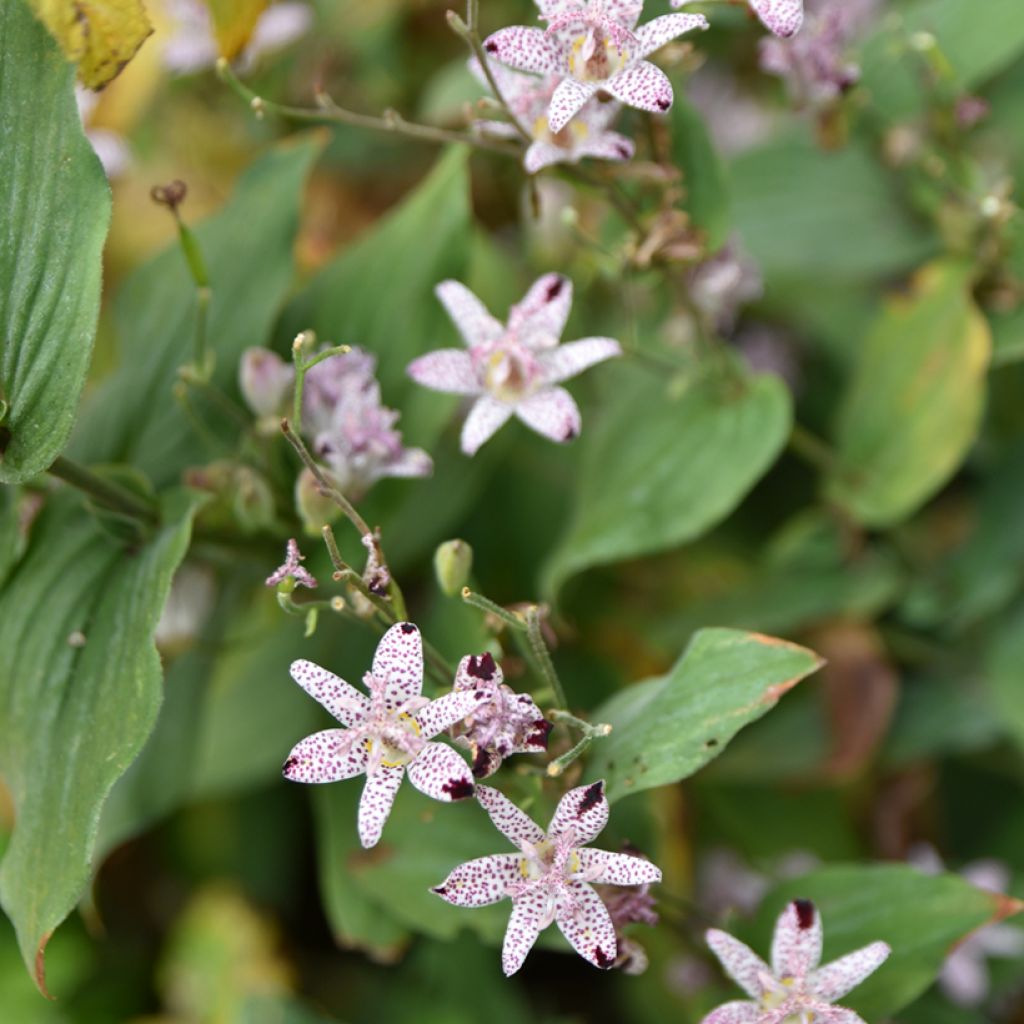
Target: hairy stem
[(107, 493)]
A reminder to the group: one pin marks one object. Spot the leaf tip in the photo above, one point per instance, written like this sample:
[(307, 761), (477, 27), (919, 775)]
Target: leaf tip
[(39, 970)]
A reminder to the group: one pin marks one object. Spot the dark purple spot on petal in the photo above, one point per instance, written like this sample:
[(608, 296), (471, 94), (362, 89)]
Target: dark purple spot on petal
[(604, 961), (554, 289), (480, 694), (481, 763), (663, 104), (491, 47), (482, 666), (804, 913), (439, 889), (458, 789), (288, 766), (591, 798), (623, 150), (408, 627), (541, 730), (571, 433)]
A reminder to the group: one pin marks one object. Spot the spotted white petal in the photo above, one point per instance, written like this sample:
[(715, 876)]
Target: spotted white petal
[(741, 963), (468, 313), (516, 826), (538, 319), (544, 154), (783, 17), (526, 49), (642, 85), (655, 34), (833, 1015), (617, 868), (584, 920), (584, 810), (375, 803), (448, 369), (553, 413), (440, 773), (568, 100), (444, 712), (480, 882), (341, 699), (739, 1012), (834, 980), (606, 146), (398, 661), (574, 357), (485, 419), (529, 915), (327, 756), (413, 462), (475, 669), (796, 944)]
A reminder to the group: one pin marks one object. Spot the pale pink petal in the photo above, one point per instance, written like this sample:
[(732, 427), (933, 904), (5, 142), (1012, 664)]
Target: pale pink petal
[(655, 34), (508, 819), (965, 978), (796, 945), (486, 417), (341, 699), (413, 462), (567, 101), (574, 357), (834, 980), (585, 922), (444, 712), (606, 868), (642, 85), (606, 146), (398, 662), (480, 882), (477, 668), (783, 17), (834, 1015), (741, 963), (1003, 940), (529, 915), (544, 154), (584, 810), (375, 803), (468, 313), (552, 412), (448, 369), (440, 773), (538, 319), (734, 1013), (527, 49), (327, 756)]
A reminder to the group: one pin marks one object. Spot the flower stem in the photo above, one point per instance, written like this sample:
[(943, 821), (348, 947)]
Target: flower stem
[(109, 494), (485, 604), (543, 656), (813, 449)]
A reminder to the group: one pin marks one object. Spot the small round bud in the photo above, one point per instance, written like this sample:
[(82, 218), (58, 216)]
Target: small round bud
[(922, 42), (171, 196), (453, 562), (253, 501), (314, 509), (265, 380)]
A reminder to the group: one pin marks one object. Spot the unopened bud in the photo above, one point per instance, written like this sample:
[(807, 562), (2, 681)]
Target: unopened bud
[(453, 562), (456, 24), (253, 500), (171, 196), (265, 380), (315, 510), (304, 343)]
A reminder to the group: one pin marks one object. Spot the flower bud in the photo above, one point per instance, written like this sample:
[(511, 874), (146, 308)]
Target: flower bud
[(314, 509), (252, 500), (265, 380), (453, 562)]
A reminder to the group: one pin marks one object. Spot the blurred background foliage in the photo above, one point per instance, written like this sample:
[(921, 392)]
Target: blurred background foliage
[(884, 532)]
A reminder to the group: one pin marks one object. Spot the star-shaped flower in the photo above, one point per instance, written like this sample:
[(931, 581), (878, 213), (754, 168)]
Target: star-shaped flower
[(506, 723), (794, 989), (594, 47), (513, 369), (387, 734), (292, 568), (782, 17), (549, 878)]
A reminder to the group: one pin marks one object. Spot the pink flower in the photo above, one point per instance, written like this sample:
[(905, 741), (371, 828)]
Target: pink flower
[(292, 569), (794, 988), (594, 47), (386, 735), (528, 98), (782, 17), (513, 369), (266, 381), (550, 878), (505, 723)]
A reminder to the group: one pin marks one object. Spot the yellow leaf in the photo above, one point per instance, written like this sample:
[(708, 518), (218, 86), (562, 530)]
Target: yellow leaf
[(101, 36), (234, 22)]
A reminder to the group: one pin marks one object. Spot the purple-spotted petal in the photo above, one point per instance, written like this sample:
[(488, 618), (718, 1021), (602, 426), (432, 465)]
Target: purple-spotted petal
[(643, 86), (468, 313), (341, 699), (440, 773), (375, 803), (544, 154), (327, 756), (607, 146), (475, 669), (584, 810), (783, 17), (574, 357), (834, 980), (836, 1015), (741, 963), (480, 882), (398, 661), (552, 412), (584, 920), (739, 1012), (655, 34), (528, 917), (444, 712), (517, 827), (526, 49), (448, 369), (568, 100), (486, 417), (413, 462), (538, 319), (606, 868), (796, 944)]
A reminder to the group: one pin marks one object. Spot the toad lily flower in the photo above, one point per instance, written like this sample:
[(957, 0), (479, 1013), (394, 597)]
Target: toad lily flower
[(549, 878), (795, 990), (513, 368), (594, 47), (387, 734)]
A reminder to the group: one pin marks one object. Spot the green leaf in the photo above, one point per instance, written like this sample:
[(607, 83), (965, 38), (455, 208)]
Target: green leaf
[(75, 713), (704, 177), (915, 402), (133, 417), (55, 208), (921, 917), (1005, 676), (665, 729), (662, 467)]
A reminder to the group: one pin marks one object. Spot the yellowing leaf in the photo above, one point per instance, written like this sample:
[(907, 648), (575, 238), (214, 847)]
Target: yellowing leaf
[(101, 36), (234, 22)]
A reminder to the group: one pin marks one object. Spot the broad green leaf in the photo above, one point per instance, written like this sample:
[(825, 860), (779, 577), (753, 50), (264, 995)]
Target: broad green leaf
[(75, 710), (665, 729), (133, 416), (704, 176), (662, 467), (1005, 676), (915, 402), (54, 208), (922, 917)]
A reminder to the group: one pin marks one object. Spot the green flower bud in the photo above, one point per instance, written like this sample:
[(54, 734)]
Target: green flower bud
[(453, 562), (314, 509)]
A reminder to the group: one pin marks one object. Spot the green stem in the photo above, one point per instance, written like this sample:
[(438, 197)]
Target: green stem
[(109, 494), (813, 450), (543, 656), (485, 604)]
